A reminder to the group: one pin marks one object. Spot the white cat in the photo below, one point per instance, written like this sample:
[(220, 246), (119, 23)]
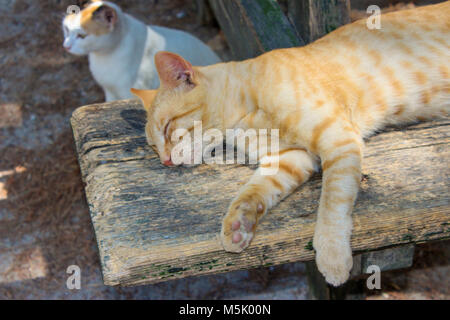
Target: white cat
[(121, 49)]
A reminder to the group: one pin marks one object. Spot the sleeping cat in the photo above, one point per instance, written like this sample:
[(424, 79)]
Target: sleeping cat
[(121, 49), (324, 98)]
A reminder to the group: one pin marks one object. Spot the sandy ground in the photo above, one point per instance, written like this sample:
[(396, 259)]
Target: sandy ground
[(44, 220)]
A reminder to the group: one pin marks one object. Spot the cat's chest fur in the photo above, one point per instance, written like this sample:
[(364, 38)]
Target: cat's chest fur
[(130, 65), (112, 78)]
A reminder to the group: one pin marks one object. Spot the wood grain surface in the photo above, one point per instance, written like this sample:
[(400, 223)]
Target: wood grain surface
[(154, 223)]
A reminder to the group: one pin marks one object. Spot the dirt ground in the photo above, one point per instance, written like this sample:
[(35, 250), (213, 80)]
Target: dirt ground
[(44, 220)]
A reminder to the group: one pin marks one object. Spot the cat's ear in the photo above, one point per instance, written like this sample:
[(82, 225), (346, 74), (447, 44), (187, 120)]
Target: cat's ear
[(173, 70), (106, 15), (146, 96)]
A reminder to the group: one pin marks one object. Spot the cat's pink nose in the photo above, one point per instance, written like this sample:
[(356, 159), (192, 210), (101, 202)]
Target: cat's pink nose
[(168, 163)]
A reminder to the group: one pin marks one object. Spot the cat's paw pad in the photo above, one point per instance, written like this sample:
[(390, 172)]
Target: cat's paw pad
[(334, 261), (238, 227)]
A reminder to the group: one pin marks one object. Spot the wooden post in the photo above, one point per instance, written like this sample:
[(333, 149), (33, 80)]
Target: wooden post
[(318, 288), (387, 259), (204, 14), (253, 27), (315, 18)]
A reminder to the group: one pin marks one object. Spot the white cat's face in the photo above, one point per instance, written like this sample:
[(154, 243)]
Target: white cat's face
[(90, 30), (76, 39)]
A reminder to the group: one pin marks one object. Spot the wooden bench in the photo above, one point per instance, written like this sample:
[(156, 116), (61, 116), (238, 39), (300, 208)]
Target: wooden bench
[(154, 223)]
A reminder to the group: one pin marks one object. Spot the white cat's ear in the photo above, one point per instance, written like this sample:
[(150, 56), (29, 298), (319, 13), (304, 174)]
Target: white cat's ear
[(146, 96), (173, 70), (106, 15)]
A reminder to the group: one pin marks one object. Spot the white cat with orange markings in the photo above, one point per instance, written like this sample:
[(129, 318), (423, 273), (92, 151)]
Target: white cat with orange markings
[(121, 49)]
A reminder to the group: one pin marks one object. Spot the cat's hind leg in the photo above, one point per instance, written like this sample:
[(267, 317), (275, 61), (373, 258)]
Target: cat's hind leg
[(275, 179)]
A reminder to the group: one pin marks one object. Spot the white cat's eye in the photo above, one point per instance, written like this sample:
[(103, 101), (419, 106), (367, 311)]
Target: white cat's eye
[(81, 36)]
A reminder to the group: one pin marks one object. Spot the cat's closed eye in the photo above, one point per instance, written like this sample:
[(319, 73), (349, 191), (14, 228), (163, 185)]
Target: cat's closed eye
[(166, 128), (81, 36)]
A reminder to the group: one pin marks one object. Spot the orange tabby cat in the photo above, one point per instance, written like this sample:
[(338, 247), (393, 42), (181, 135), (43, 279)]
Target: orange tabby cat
[(324, 98)]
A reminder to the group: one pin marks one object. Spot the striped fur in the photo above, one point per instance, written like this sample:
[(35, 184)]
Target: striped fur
[(325, 98)]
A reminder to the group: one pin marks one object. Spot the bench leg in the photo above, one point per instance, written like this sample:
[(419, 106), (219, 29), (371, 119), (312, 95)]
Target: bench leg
[(387, 259), (319, 289)]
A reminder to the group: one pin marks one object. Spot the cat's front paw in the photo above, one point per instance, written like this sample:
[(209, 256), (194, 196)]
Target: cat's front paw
[(334, 260), (238, 226)]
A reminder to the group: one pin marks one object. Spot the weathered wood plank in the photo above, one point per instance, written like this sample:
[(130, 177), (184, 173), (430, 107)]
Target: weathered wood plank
[(154, 223), (253, 27), (315, 18)]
